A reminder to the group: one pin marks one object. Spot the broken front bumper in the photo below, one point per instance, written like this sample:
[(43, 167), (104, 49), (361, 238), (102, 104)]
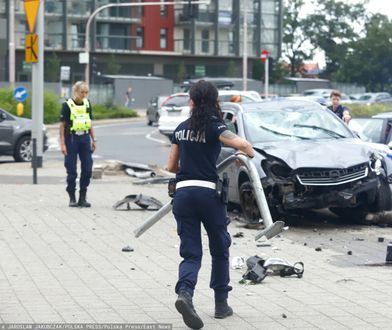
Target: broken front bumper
[(347, 197)]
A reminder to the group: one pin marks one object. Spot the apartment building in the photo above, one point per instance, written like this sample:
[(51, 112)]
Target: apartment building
[(154, 40)]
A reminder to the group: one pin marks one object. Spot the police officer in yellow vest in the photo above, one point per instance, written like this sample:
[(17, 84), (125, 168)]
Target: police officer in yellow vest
[(77, 137)]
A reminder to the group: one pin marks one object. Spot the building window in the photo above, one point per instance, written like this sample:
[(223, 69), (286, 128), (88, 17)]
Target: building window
[(205, 42), (187, 37), (163, 9), (163, 38), (139, 37)]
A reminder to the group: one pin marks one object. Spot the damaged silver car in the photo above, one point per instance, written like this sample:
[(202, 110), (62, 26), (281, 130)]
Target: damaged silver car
[(307, 158)]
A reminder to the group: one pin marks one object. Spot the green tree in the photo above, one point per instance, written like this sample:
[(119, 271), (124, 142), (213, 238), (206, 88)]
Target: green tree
[(333, 27), (295, 41), (181, 72), (52, 69), (368, 62), (112, 67), (231, 70)]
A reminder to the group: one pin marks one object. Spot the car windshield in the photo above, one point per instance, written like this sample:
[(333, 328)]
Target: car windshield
[(177, 101), (368, 129), (297, 122)]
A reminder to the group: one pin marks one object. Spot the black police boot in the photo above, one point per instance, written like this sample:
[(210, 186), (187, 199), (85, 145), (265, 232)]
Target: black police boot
[(82, 199), (72, 199), (222, 309), (185, 307)]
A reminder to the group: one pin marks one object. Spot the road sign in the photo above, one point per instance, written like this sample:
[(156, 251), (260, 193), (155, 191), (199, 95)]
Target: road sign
[(31, 48), (83, 58), (31, 10), (20, 94), (264, 55), (65, 73)]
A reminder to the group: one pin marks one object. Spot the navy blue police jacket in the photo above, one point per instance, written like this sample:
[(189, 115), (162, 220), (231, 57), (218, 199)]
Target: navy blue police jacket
[(198, 152)]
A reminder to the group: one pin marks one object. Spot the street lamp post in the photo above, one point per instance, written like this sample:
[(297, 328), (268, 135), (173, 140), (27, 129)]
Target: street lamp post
[(133, 4), (245, 50), (11, 44)]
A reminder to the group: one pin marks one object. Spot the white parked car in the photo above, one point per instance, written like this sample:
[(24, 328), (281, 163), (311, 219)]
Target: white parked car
[(176, 107)]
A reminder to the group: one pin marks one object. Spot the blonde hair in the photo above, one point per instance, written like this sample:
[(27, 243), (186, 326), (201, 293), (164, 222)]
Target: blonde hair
[(78, 86)]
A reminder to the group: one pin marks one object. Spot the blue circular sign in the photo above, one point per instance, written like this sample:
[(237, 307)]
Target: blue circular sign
[(20, 94)]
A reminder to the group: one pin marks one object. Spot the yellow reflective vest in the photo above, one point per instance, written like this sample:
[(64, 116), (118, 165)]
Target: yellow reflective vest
[(80, 117)]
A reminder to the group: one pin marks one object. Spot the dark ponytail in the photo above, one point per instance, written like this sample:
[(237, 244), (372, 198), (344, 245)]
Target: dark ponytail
[(204, 96)]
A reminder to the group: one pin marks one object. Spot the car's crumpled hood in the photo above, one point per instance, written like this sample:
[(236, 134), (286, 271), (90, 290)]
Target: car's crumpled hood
[(339, 153)]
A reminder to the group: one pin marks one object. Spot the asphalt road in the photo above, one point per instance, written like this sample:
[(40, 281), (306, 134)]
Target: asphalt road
[(128, 142), (132, 142)]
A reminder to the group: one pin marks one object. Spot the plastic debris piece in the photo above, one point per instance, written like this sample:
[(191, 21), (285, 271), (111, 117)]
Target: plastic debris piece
[(349, 253), (127, 248), (284, 316), (318, 249), (381, 239), (238, 262), (239, 234), (143, 201)]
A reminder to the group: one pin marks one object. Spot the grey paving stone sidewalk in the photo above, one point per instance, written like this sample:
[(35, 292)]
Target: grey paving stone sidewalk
[(61, 264)]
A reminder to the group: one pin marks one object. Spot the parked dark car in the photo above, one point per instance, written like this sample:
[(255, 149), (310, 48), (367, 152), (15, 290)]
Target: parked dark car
[(307, 159), (15, 137), (376, 129), (153, 107)]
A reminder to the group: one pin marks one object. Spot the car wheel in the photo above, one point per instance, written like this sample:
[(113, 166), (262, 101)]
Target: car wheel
[(248, 203), (23, 149), (149, 122)]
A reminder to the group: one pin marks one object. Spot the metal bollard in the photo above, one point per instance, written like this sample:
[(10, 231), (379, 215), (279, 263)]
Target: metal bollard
[(271, 228)]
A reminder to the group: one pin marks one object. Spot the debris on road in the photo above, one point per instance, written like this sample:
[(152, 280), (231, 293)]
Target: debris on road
[(388, 258), (238, 262), (143, 201), (127, 248), (259, 268), (318, 249), (156, 179), (381, 239), (239, 234), (350, 252)]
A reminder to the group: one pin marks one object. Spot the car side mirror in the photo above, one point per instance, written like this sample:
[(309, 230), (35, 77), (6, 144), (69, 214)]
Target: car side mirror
[(390, 145), (3, 116)]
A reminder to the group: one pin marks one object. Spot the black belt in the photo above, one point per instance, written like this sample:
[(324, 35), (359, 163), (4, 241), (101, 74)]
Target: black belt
[(79, 132)]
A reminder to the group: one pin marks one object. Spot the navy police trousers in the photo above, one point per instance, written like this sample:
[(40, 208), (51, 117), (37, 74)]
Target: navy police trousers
[(191, 207), (78, 145)]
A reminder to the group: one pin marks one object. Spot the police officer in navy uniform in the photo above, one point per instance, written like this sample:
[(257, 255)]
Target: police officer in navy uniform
[(196, 144), (77, 138)]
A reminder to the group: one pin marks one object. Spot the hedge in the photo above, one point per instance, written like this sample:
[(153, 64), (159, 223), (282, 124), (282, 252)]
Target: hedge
[(363, 110), (52, 107)]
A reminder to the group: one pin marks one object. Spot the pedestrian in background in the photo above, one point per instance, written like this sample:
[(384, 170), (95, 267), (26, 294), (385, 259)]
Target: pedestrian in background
[(339, 110), (77, 138), (196, 145), (128, 97)]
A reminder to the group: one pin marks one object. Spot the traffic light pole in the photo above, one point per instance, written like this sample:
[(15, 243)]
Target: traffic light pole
[(133, 4), (266, 69)]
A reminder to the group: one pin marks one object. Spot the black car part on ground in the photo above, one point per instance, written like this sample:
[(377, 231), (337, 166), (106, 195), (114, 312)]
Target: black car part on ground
[(143, 201), (258, 268)]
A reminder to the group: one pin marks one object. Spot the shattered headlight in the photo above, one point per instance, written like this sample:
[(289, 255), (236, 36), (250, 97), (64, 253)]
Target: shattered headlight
[(375, 163), (277, 168)]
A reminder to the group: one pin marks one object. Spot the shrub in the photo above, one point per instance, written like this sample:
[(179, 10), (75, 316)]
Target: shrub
[(363, 110), (52, 107)]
